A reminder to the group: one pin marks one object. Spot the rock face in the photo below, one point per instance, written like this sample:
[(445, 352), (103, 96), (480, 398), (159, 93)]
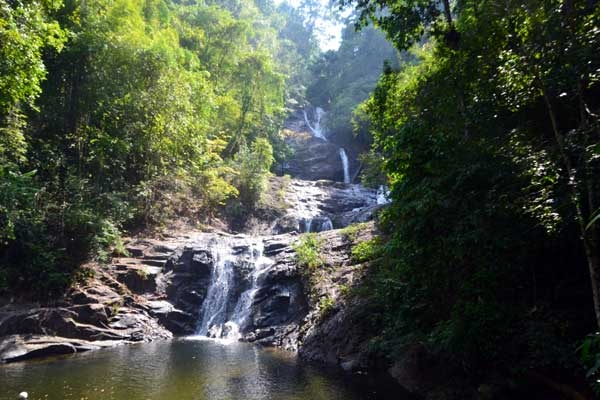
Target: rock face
[(164, 291), (314, 159), (24, 347), (316, 206)]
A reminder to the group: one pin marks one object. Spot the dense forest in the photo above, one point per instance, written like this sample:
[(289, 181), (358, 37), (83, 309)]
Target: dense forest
[(482, 117), (114, 114), (490, 142)]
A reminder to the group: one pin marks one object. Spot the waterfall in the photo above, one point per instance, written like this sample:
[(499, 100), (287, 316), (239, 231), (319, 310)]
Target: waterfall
[(316, 128), (317, 224), (383, 195), (260, 263), (344, 158), (214, 307), (223, 315)]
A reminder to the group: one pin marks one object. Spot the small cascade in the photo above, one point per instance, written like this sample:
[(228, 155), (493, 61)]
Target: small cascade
[(226, 315), (344, 158), (317, 224), (260, 263), (316, 128), (383, 195)]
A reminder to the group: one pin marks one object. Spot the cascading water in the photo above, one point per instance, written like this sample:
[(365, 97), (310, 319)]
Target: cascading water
[(316, 128), (344, 158), (318, 224), (260, 264), (214, 307), (225, 315), (243, 299), (383, 195)]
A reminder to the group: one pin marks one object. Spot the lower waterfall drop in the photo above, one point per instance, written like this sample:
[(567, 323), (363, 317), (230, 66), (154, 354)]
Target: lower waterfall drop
[(225, 315), (214, 307)]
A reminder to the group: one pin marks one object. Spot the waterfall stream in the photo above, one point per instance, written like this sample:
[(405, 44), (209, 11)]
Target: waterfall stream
[(242, 300), (344, 158), (225, 313), (214, 307), (316, 128)]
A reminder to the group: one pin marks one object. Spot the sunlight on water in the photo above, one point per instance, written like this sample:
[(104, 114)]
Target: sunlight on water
[(198, 369)]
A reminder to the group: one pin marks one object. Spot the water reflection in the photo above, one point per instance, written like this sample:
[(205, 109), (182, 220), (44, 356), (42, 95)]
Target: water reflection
[(182, 370)]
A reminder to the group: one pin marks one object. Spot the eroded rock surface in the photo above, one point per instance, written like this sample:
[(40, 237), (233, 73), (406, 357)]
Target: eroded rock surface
[(161, 290), (316, 206)]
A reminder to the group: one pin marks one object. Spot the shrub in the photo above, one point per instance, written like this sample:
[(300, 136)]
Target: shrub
[(351, 232), (254, 165), (589, 353), (326, 306), (308, 251), (367, 250)]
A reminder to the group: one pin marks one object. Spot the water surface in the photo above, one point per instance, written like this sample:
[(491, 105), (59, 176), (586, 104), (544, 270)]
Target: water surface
[(185, 370)]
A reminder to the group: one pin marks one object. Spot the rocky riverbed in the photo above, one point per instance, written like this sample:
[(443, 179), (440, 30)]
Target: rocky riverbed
[(157, 292)]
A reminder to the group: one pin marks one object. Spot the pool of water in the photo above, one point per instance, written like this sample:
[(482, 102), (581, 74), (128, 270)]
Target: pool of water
[(186, 370)]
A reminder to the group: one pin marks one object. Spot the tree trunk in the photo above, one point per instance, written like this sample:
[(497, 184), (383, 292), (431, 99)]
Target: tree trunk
[(588, 238), (447, 11)]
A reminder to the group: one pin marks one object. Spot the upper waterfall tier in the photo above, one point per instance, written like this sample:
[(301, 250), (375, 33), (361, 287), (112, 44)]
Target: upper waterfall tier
[(314, 156), (315, 127), (345, 166)]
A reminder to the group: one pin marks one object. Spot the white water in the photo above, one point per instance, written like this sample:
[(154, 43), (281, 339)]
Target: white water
[(318, 224), (383, 195), (217, 321), (230, 306), (214, 306), (316, 128), (344, 158), (260, 264)]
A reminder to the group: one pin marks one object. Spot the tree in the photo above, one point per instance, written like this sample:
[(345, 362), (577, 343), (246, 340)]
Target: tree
[(26, 30), (490, 148), (406, 21)]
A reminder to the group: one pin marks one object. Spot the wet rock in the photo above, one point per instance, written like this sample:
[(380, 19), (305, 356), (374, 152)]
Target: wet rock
[(135, 251), (286, 224), (259, 334), (177, 321), (314, 159), (24, 347), (94, 313), (414, 370), (275, 246), (201, 264)]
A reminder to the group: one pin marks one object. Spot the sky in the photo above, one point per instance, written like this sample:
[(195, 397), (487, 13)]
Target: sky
[(331, 35)]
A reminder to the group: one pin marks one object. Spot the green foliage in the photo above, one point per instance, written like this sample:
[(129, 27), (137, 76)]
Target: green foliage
[(253, 164), (17, 198), (326, 306), (404, 21), (368, 250), (108, 240), (308, 251), (372, 174), (352, 232), (488, 144), (26, 31), (131, 112), (589, 353)]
